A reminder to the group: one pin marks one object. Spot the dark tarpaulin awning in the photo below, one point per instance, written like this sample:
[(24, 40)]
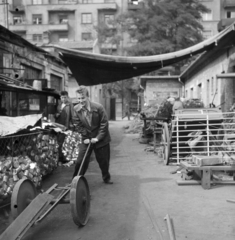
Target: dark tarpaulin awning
[(92, 69)]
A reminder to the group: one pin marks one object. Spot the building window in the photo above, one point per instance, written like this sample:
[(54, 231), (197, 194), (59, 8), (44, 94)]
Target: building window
[(86, 18), (207, 34), (108, 18), (63, 38), (37, 37), (87, 1), (37, 18), (86, 36), (133, 40), (31, 72), (207, 16), (63, 19), (199, 91), (17, 20), (212, 85), (191, 93), (208, 91), (37, 2), (230, 14), (56, 82)]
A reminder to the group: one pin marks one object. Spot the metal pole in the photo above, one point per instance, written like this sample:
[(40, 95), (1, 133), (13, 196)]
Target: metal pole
[(122, 99), (5, 7), (170, 227), (7, 13)]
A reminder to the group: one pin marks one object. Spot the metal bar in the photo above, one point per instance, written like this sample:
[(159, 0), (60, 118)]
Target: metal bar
[(49, 190), (80, 169), (201, 124), (53, 206), (202, 152), (177, 133), (205, 136), (215, 129), (170, 227), (62, 201)]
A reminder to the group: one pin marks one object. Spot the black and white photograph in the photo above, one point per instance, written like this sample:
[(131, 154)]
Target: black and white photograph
[(117, 119)]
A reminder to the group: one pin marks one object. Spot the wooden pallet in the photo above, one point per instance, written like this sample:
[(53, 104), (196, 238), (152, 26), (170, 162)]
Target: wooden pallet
[(205, 174)]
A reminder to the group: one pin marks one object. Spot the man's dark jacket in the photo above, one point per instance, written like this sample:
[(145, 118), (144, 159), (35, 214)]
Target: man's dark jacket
[(99, 127), (66, 115)]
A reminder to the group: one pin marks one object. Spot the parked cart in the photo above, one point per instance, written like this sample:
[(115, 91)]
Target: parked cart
[(198, 132), (29, 208), (32, 155)]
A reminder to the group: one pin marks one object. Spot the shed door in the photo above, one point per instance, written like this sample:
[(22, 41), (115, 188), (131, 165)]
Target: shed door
[(112, 109)]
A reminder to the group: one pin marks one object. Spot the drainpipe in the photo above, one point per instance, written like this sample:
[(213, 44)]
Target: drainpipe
[(7, 14), (5, 10)]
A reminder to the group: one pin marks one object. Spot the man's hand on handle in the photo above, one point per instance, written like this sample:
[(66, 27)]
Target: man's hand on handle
[(93, 140), (86, 141)]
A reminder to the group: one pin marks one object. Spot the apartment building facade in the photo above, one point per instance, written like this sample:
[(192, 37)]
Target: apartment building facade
[(68, 23), (72, 23), (220, 15)]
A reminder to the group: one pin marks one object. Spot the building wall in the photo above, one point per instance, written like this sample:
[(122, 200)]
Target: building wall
[(220, 91), (18, 57), (210, 22), (158, 90), (3, 15)]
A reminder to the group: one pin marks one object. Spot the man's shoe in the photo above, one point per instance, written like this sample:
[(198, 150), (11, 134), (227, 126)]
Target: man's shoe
[(108, 182)]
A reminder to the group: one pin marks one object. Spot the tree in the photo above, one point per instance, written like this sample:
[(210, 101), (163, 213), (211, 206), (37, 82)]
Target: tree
[(164, 26), (160, 26), (109, 38)]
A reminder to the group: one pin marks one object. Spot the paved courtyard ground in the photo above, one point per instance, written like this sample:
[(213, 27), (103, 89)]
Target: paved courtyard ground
[(143, 193)]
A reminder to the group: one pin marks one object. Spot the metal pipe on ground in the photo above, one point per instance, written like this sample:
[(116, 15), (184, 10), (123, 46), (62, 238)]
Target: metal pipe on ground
[(170, 227)]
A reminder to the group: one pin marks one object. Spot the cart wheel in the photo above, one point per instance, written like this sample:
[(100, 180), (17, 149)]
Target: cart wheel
[(80, 200), (166, 143), (23, 193)]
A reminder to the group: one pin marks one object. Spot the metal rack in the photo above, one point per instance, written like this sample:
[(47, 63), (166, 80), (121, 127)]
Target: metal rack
[(199, 132)]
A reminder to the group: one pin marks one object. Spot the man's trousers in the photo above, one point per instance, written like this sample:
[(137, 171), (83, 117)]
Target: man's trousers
[(102, 155)]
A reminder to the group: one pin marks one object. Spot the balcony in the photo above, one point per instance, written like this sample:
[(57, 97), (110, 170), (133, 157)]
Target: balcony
[(56, 27), (223, 23), (18, 27), (100, 4), (132, 6), (229, 4), (109, 46), (60, 9), (16, 8), (95, 1), (62, 2), (107, 6)]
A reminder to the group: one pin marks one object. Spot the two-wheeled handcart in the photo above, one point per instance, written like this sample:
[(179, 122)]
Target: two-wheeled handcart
[(29, 208)]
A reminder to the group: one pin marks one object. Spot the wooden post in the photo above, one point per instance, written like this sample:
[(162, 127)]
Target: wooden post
[(206, 178)]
